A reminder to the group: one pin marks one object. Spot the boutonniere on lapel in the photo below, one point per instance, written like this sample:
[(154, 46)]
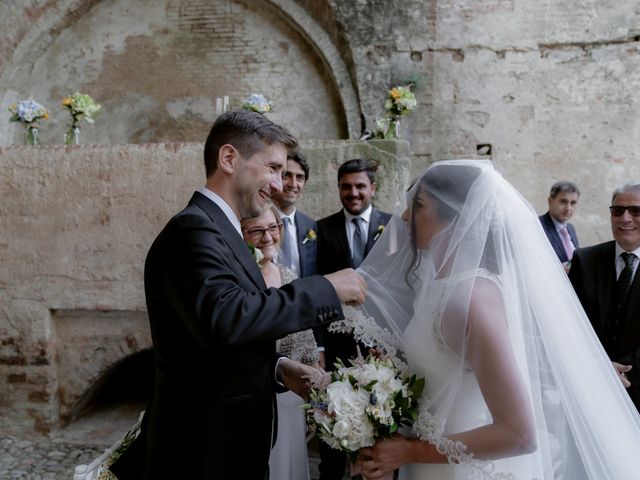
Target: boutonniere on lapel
[(379, 231), (256, 253), (310, 236)]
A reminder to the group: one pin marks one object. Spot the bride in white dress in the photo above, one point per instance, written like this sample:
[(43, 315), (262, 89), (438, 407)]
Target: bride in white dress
[(469, 294)]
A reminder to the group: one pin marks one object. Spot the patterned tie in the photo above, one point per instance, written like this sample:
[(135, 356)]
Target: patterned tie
[(359, 243), (626, 276), (566, 241), (286, 256)]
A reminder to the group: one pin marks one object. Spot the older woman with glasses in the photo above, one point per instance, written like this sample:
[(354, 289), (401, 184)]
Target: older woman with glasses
[(289, 459)]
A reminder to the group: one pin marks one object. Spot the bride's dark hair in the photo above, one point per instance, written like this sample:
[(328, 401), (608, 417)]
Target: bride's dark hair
[(448, 186)]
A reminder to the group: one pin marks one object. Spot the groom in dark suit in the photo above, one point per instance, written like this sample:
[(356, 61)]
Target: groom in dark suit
[(605, 279), (344, 239), (214, 323), (562, 201)]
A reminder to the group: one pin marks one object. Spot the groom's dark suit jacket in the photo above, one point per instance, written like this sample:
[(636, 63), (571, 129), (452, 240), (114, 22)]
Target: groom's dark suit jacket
[(334, 254), (593, 276), (214, 326), (554, 238)]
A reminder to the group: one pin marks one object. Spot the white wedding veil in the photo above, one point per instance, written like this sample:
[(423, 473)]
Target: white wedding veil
[(490, 253)]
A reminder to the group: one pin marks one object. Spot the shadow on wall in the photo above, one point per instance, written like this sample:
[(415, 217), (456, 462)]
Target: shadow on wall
[(129, 381)]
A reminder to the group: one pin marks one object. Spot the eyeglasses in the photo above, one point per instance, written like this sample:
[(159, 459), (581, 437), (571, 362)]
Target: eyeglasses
[(256, 234), (618, 210)]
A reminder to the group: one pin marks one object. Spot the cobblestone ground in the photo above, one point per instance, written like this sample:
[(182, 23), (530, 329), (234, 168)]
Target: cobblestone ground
[(41, 459), (44, 459)]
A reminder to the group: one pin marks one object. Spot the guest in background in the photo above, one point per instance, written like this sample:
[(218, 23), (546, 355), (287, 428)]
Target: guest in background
[(289, 457), (344, 239), (605, 280), (298, 242), (563, 199)]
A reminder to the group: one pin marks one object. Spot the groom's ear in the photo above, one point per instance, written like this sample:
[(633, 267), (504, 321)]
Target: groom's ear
[(227, 158)]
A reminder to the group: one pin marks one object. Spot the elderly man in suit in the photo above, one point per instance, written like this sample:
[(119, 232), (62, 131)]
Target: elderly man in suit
[(562, 201), (214, 322), (344, 239), (605, 279)]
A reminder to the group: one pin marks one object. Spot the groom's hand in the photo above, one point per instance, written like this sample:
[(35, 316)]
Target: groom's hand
[(298, 377), (350, 286)]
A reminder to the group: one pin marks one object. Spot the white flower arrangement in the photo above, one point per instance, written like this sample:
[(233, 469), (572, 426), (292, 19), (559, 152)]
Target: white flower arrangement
[(366, 401)]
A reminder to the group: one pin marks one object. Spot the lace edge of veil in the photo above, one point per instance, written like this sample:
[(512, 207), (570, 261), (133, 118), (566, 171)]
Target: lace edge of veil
[(427, 427)]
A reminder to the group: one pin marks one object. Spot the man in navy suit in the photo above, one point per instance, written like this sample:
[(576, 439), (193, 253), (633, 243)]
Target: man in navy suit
[(563, 199), (344, 239), (214, 323), (605, 278), (298, 243)]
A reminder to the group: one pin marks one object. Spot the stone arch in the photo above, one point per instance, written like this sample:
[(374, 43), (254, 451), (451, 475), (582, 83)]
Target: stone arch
[(40, 53), (335, 63)]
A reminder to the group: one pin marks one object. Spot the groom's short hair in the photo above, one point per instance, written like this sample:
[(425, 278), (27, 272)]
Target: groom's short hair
[(249, 132)]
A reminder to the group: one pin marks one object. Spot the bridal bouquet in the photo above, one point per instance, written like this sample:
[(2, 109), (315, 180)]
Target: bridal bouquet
[(257, 103), (369, 400)]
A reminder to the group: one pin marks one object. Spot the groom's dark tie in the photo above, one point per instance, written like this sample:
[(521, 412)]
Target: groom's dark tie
[(359, 242)]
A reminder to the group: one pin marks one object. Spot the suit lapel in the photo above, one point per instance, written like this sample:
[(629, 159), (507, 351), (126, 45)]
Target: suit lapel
[(304, 251), (605, 279), (374, 223), (633, 304), (555, 240), (232, 238), (340, 239)]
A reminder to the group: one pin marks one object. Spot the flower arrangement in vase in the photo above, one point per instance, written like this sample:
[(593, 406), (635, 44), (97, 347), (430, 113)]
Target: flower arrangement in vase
[(400, 101), (257, 103), (29, 112), (81, 106)]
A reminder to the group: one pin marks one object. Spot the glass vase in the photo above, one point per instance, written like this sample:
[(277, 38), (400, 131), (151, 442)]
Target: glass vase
[(72, 136), (394, 129), (31, 136)]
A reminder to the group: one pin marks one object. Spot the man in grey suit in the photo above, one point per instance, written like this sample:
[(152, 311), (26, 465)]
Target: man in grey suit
[(344, 239), (563, 199), (214, 323), (605, 279)]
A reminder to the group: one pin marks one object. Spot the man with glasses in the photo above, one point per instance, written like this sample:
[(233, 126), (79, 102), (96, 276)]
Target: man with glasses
[(605, 279)]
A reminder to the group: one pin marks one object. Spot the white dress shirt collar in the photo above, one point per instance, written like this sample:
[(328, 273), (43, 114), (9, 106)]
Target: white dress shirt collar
[(224, 206), (366, 215)]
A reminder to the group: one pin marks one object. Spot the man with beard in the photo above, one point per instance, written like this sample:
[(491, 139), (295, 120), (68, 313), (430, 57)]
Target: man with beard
[(344, 239)]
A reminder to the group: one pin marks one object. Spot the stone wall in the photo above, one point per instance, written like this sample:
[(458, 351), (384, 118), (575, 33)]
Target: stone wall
[(157, 67), (76, 226)]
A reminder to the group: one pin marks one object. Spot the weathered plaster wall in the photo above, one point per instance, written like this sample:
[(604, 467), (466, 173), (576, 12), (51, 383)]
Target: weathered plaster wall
[(157, 67), (551, 85), (76, 226)]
